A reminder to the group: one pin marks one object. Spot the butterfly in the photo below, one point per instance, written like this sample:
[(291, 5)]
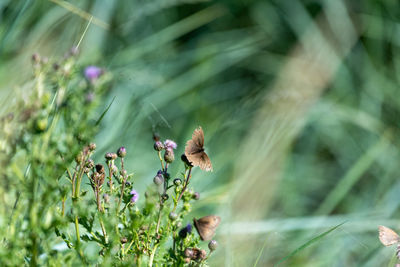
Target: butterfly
[(387, 236), (194, 151), (206, 226)]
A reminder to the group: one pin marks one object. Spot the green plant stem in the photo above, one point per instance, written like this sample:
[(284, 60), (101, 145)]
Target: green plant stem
[(103, 229), (184, 188), (78, 238), (123, 185), (159, 215), (161, 160), (152, 255), (110, 173)]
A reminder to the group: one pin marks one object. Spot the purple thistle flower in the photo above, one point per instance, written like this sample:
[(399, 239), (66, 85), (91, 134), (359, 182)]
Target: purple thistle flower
[(92, 73), (135, 196), (170, 144), (185, 230)]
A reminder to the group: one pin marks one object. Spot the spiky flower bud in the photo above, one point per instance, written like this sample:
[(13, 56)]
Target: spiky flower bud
[(213, 245), (110, 156), (92, 147), (188, 253), (177, 182), (158, 146), (165, 197), (90, 164), (173, 216), (196, 195), (121, 152), (169, 156), (158, 179), (185, 230)]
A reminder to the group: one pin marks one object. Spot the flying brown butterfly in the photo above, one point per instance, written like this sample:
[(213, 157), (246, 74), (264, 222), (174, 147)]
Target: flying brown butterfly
[(194, 151), (387, 236), (206, 226)]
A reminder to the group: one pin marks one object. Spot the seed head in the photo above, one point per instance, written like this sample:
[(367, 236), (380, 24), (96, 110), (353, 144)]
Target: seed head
[(196, 195)]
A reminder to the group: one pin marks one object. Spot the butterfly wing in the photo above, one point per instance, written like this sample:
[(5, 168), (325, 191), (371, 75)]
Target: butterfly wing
[(204, 162), (387, 236), (206, 226), (198, 137)]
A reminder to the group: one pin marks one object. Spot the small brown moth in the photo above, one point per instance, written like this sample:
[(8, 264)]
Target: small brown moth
[(387, 236), (206, 226), (194, 151)]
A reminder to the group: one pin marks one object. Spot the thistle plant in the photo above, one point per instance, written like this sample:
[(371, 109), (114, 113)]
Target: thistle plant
[(127, 227), (66, 209)]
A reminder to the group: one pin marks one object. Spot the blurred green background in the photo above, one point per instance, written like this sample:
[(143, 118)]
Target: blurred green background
[(299, 102)]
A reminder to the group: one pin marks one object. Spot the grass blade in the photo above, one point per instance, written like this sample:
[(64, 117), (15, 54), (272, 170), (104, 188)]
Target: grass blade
[(105, 111), (261, 252), (308, 243)]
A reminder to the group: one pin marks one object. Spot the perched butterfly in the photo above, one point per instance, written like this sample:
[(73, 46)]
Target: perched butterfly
[(387, 236), (194, 151), (206, 226)]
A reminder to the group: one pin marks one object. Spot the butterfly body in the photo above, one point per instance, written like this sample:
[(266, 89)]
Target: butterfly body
[(195, 153)]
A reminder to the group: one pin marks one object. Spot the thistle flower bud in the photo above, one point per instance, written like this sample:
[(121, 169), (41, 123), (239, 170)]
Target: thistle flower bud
[(124, 240), (92, 147), (202, 254), (185, 230), (188, 253), (128, 184), (123, 173), (169, 156), (173, 216), (158, 179), (213, 245), (121, 152), (89, 164), (165, 197), (177, 182), (196, 195), (36, 58), (110, 156), (158, 146), (79, 158)]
